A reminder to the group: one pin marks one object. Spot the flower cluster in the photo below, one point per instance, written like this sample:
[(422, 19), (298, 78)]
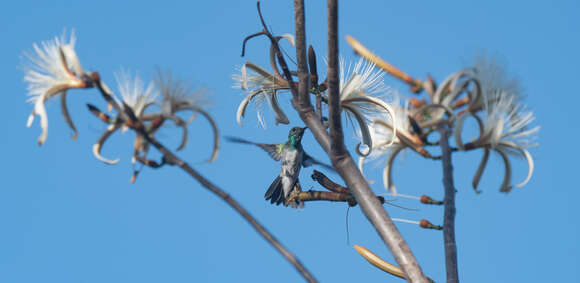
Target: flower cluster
[(505, 127), (54, 68), (362, 93), (388, 128)]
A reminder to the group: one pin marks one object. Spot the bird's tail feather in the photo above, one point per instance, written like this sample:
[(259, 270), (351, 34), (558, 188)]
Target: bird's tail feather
[(275, 193)]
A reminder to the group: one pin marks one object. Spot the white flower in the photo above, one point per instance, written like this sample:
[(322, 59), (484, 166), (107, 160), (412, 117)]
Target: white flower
[(137, 97), (177, 96), (361, 92), (52, 69), (494, 80), (387, 142), (261, 87), (134, 93), (506, 131)]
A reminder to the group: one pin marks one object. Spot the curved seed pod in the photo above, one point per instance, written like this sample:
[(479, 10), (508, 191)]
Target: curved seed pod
[(459, 129), (463, 87), (40, 110), (66, 115), (387, 172), (480, 169), (360, 163), (290, 39), (180, 123), (364, 129), (361, 160), (449, 81), (475, 98), (528, 158), (281, 118), (216, 139), (530, 161), (459, 122), (507, 179), (243, 105), (101, 141), (380, 104), (244, 77)]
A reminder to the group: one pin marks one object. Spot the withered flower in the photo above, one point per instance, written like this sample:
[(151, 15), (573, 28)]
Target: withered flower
[(262, 87), (52, 69), (387, 142), (505, 129), (361, 97)]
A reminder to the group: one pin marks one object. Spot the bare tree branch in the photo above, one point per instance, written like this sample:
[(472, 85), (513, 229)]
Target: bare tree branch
[(290, 257), (449, 214), (337, 147), (343, 163), (327, 183), (172, 159), (348, 170)]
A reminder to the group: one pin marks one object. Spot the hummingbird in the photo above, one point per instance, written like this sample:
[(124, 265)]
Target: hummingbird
[(293, 159)]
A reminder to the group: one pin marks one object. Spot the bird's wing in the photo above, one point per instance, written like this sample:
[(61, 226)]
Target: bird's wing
[(274, 150), (309, 161)]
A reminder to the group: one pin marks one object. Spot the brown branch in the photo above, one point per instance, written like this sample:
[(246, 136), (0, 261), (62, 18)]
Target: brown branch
[(170, 158), (234, 204), (337, 147), (343, 164), (303, 74), (353, 178), (312, 195), (248, 38), (327, 183), (449, 214)]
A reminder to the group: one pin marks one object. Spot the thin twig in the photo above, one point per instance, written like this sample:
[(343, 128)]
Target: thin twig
[(170, 158), (235, 205), (248, 38), (449, 214)]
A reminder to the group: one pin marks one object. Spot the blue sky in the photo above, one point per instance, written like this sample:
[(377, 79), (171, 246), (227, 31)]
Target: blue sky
[(66, 217)]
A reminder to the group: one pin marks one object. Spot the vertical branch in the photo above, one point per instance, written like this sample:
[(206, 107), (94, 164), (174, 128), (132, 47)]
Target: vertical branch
[(303, 74), (449, 214), (343, 163), (337, 146)]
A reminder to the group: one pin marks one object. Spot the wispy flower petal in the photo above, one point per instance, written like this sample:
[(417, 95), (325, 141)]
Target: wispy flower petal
[(506, 130), (134, 92), (361, 92), (51, 69), (261, 87), (178, 96)]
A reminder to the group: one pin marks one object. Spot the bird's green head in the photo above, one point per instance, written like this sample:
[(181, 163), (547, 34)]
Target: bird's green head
[(295, 135)]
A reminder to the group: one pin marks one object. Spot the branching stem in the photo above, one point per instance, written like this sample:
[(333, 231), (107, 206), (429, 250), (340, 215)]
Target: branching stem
[(449, 201)]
